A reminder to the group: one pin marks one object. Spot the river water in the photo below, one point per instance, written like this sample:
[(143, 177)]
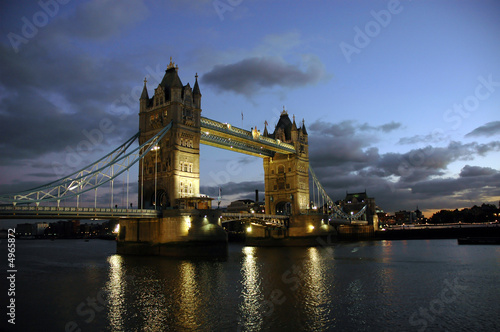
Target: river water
[(414, 285)]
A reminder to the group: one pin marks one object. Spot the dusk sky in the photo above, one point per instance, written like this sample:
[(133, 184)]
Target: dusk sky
[(401, 99)]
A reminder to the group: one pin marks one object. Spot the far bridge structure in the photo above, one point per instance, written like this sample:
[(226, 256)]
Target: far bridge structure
[(172, 217)]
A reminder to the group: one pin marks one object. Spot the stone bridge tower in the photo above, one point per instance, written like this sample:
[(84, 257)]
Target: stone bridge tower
[(172, 169), (287, 176)]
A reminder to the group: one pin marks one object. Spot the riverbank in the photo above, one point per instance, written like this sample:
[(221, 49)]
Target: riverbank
[(407, 233)]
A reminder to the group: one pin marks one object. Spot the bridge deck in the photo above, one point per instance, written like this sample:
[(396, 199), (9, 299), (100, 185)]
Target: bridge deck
[(53, 212)]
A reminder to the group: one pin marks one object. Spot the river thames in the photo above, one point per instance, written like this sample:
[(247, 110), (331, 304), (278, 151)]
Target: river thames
[(413, 285)]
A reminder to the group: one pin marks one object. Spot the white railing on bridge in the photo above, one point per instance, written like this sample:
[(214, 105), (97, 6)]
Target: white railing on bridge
[(255, 215), (54, 211), (263, 219)]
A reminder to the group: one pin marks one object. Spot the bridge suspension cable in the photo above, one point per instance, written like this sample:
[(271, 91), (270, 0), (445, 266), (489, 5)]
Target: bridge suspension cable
[(91, 177), (336, 210)]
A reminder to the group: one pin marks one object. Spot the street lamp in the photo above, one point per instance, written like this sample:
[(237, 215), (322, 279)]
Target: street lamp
[(156, 148)]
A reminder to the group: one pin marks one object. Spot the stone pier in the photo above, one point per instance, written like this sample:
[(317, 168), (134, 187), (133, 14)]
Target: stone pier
[(178, 233), (303, 230)]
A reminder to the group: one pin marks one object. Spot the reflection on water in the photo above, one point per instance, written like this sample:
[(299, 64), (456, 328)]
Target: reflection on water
[(189, 297), (250, 308), (316, 295), (116, 293), (364, 286), (356, 302)]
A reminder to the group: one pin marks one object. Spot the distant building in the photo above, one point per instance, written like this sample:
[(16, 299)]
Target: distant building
[(354, 202), (241, 206), (24, 230), (384, 217), (407, 217), (64, 228), (419, 216), (39, 229)]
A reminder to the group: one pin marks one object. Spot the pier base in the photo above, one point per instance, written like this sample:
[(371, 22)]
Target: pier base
[(180, 233), (303, 230)]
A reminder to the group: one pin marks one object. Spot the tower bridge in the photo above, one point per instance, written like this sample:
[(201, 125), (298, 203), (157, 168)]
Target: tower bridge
[(170, 208)]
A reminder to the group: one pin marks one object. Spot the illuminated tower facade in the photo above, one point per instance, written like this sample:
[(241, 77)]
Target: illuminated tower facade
[(171, 170), (287, 176)]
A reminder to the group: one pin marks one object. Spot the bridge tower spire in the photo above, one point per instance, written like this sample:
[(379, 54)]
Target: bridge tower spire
[(170, 175)]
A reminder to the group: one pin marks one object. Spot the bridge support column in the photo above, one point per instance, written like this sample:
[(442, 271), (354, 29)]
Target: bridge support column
[(180, 233), (303, 230)]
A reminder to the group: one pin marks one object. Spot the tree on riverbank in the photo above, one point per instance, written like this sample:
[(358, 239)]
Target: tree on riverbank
[(483, 213)]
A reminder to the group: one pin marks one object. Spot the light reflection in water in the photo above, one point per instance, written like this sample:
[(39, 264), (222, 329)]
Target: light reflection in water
[(387, 250), (189, 297), (115, 293), (357, 305), (385, 279), (315, 290), (150, 301), (251, 317)]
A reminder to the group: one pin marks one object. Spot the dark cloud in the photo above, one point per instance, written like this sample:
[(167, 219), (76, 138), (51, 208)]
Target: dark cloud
[(419, 164), (250, 75), (344, 159), (53, 92), (234, 190), (18, 185), (349, 128), (386, 128), (487, 183), (477, 171), (489, 129)]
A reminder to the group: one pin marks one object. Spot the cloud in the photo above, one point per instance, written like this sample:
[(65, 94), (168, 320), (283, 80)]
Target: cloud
[(102, 19), (344, 158), (251, 75), (489, 129), (468, 171), (420, 164), (434, 137), (350, 127), (48, 111), (386, 128), (232, 190), (484, 182), (53, 94)]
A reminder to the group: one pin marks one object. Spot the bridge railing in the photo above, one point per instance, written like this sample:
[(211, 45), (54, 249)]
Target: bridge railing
[(74, 211), (255, 215)]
